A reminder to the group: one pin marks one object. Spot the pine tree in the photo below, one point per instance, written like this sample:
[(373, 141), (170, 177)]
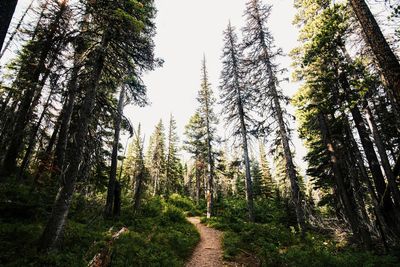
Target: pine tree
[(333, 89), (267, 183), (386, 59), (156, 159), (173, 170), (195, 143), (258, 43), (206, 100), (121, 26), (138, 170), (234, 98), (44, 49)]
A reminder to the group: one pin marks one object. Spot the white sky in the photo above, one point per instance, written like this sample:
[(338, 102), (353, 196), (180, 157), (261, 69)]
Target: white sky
[(187, 29)]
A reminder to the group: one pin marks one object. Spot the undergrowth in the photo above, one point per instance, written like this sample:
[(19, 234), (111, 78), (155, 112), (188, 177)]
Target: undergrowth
[(273, 240), (159, 234)]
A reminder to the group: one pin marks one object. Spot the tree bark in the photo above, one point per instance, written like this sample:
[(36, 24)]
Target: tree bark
[(108, 212), (7, 8), (386, 59)]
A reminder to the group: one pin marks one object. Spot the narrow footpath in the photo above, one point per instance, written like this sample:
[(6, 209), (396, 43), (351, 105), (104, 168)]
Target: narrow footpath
[(208, 252)]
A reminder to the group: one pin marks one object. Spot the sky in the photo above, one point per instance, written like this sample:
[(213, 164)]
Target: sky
[(187, 30)]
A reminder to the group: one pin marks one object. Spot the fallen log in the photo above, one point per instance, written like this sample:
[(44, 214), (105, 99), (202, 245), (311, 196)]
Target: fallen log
[(103, 258)]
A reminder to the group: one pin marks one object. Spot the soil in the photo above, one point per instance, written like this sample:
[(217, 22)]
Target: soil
[(208, 252)]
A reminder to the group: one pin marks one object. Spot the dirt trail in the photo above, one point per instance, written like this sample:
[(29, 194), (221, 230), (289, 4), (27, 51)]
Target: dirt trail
[(208, 252)]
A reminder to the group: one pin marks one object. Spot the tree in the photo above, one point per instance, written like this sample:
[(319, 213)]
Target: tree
[(206, 100), (122, 25), (334, 87), (234, 98), (267, 184), (258, 42), (108, 210), (139, 170), (195, 144), (386, 59), (156, 159), (30, 81), (173, 173)]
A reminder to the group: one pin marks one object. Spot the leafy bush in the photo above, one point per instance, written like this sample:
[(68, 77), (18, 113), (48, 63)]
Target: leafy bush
[(185, 204)]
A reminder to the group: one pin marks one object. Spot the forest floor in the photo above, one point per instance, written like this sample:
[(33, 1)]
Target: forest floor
[(208, 252)]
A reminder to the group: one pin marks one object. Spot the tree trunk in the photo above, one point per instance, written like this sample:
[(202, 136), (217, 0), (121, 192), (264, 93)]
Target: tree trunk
[(382, 154), (139, 188), (114, 155), (348, 202), (117, 200), (297, 195), (386, 59), (210, 172), (7, 8), (380, 219), (55, 225), (248, 182)]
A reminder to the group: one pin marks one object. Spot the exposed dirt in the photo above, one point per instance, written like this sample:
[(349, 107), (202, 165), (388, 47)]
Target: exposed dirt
[(208, 252)]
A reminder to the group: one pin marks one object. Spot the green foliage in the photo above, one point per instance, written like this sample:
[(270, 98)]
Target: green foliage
[(159, 234), (272, 243), (184, 204)]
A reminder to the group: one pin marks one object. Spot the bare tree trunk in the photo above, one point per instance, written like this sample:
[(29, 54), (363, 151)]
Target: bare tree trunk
[(114, 155), (386, 59), (55, 225), (7, 8)]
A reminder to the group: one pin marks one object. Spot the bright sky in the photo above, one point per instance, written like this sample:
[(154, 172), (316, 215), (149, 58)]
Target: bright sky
[(187, 29)]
